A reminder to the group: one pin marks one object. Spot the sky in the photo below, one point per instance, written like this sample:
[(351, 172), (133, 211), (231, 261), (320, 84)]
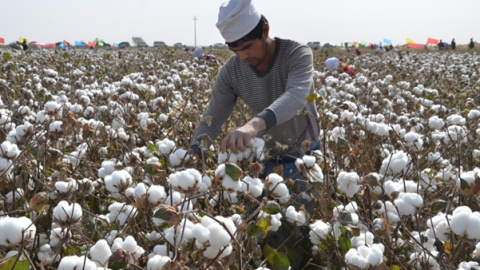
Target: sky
[(171, 21)]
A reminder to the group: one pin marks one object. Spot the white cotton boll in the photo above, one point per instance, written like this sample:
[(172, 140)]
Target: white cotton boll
[(100, 252), (473, 114), (212, 253), (18, 229), (186, 180), (460, 222), (436, 123), (178, 157), (222, 157), (456, 119), (121, 213), (395, 163), (157, 262), (118, 181), (476, 252), (280, 190), (375, 255), (156, 194), (66, 212), (254, 186), (468, 266), (129, 244), (309, 161), (355, 259), (364, 239), (57, 236), (219, 237), (174, 199), (319, 231), (201, 233), (9, 150), (472, 231), (347, 182), (75, 262), (166, 146), (140, 190), (55, 126), (272, 180), (107, 168), (295, 217), (18, 194)]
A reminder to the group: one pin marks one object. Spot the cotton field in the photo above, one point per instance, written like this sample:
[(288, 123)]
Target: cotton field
[(96, 171)]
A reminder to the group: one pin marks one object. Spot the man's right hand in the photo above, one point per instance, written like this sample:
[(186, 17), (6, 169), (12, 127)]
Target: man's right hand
[(239, 139)]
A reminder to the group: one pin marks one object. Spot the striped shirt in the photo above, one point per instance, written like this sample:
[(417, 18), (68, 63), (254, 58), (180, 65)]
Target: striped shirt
[(277, 95)]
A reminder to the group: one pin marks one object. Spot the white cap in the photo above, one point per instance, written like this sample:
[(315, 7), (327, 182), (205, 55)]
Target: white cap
[(236, 18), (332, 63)]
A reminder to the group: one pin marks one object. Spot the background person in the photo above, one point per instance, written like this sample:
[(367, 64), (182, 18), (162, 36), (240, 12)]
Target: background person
[(273, 76), (334, 64)]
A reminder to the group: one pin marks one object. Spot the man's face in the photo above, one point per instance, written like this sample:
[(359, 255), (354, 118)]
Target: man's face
[(252, 52)]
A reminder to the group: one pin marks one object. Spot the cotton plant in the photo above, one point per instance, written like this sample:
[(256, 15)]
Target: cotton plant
[(256, 151), (180, 235), (158, 262), (166, 146), (346, 214), (310, 169), (16, 231)]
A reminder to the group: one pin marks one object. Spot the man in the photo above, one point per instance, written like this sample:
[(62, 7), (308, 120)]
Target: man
[(274, 78), (334, 64)]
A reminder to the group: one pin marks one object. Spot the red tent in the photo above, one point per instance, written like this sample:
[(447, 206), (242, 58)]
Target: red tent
[(2, 40)]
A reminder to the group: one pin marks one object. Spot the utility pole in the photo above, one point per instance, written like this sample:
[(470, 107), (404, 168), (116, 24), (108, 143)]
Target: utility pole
[(195, 30)]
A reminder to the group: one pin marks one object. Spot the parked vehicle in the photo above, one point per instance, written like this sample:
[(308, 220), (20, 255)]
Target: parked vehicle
[(179, 45), (124, 44), (159, 44), (314, 45), (219, 45)]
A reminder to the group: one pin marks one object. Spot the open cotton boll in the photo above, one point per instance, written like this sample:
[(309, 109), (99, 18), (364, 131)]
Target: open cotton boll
[(185, 181), (466, 223), (166, 146), (353, 257), (348, 183), (395, 163), (121, 213), (117, 182), (364, 239), (295, 217), (100, 252), (13, 230), (157, 262), (218, 237), (17, 194), (212, 253), (408, 203), (178, 157), (9, 150), (468, 265), (319, 231), (67, 213), (201, 233), (254, 186), (70, 185), (75, 262), (436, 123), (476, 252)]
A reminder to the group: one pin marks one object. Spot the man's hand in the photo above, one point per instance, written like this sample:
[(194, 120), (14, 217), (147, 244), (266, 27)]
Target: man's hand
[(239, 139)]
